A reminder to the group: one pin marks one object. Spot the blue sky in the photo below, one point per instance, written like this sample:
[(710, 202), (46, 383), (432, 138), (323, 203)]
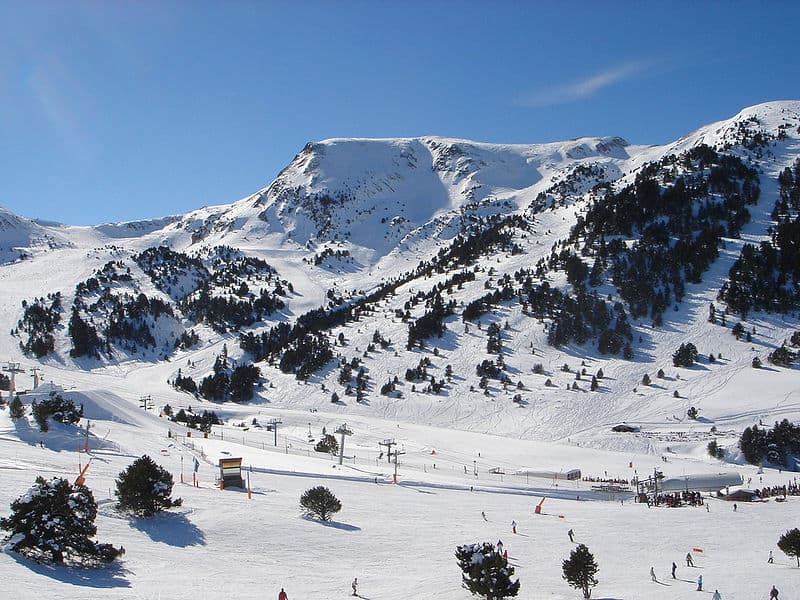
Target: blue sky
[(128, 110)]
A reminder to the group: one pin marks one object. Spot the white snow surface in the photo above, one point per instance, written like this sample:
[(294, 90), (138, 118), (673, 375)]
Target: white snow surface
[(399, 540)]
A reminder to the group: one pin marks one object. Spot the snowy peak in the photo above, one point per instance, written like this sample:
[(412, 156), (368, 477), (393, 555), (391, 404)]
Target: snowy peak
[(375, 197), (771, 120), (773, 115), (375, 193), (21, 237)]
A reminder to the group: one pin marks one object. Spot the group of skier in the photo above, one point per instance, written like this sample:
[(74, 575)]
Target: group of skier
[(773, 594), (283, 596)]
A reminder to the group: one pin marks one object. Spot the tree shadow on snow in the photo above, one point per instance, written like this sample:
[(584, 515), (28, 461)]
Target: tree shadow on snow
[(173, 529), (106, 576), (59, 438), (334, 524)]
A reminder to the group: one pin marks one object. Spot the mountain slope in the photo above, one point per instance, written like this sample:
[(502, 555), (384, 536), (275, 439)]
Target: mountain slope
[(403, 235)]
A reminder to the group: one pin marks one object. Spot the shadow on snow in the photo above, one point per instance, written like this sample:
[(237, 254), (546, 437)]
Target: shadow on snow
[(106, 576), (173, 529)]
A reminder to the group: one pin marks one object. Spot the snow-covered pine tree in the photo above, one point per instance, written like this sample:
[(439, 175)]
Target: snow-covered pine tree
[(55, 519), (59, 408), (485, 572), (144, 488), (328, 444)]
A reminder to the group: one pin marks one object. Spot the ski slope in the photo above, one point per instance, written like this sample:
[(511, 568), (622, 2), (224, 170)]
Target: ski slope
[(464, 451), (397, 539)]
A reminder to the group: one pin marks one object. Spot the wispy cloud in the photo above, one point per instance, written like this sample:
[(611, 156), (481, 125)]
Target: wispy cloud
[(62, 98), (584, 88)]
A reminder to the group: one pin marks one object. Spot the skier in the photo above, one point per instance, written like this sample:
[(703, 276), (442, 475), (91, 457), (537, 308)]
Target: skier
[(282, 595), (770, 560), (699, 583), (674, 567), (505, 555), (653, 574), (773, 593), (716, 596), (513, 526), (734, 507), (354, 585), (571, 535), (483, 514), (689, 561), (499, 546)]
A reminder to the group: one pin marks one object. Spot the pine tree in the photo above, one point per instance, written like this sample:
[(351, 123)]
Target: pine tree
[(685, 355), (243, 378), (580, 570), (320, 502), (16, 409), (327, 444), (144, 488), (782, 357), (55, 520), (646, 379), (485, 572), (753, 444), (40, 414), (61, 409), (84, 337), (789, 543)]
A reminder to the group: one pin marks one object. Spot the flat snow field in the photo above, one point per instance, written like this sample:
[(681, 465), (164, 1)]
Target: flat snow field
[(399, 540)]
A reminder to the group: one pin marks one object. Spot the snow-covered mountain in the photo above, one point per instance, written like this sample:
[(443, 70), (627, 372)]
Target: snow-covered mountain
[(348, 218), (492, 311), (21, 238)]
